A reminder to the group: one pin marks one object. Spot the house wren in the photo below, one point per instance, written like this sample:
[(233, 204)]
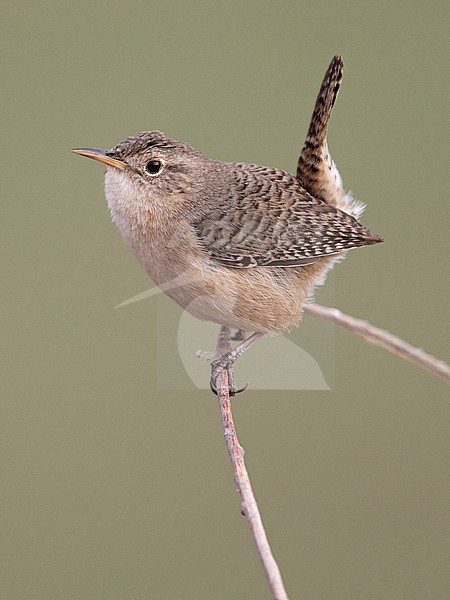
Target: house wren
[(238, 244)]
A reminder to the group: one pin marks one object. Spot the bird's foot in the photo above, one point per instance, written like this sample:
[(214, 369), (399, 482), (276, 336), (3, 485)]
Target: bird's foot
[(204, 355), (225, 362), (239, 336)]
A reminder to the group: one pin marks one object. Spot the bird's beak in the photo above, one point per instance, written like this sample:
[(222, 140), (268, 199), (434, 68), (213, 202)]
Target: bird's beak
[(102, 156)]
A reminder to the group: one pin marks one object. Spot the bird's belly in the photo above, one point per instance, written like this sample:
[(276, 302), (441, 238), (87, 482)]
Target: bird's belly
[(260, 299)]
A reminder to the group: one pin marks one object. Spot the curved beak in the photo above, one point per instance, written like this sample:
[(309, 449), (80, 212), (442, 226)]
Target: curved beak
[(102, 156)]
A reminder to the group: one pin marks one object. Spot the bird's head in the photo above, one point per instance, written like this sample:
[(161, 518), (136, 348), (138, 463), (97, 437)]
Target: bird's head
[(149, 176)]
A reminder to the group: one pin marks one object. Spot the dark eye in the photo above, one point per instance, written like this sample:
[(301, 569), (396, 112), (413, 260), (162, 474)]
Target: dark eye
[(153, 167)]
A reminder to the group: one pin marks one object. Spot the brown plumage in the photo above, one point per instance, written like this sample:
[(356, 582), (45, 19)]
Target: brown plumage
[(267, 218), (239, 244), (315, 169)]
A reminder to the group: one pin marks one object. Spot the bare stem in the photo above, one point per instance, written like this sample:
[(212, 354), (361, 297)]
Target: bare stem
[(373, 335), (384, 339), (236, 453)]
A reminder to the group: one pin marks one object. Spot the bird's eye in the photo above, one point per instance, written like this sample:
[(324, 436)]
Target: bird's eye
[(153, 167)]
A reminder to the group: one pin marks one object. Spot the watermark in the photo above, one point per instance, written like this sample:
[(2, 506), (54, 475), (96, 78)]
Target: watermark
[(301, 360)]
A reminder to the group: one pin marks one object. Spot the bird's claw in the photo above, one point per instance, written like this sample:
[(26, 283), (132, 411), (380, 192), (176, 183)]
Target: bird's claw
[(226, 362), (232, 390)]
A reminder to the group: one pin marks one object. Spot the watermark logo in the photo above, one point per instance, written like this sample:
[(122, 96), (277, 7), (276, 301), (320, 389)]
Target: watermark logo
[(302, 360)]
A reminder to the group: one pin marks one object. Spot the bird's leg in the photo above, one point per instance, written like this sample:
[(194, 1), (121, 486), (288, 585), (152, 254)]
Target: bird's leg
[(223, 346), (228, 358), (239, 336)]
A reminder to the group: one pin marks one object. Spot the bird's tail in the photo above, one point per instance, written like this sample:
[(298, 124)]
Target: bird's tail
[(315, 169)]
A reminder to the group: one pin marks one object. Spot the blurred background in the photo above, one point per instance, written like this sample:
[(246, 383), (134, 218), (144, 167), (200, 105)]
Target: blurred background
[(117, 486)]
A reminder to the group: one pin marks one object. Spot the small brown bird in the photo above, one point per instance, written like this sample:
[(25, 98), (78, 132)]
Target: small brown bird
[(238, 244)]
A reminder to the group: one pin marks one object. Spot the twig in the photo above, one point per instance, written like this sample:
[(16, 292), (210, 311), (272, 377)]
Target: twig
[(236, 453), (384, 339), (373, 335)]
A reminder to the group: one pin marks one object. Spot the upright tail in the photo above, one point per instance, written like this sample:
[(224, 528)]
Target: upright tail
[(316, 171)]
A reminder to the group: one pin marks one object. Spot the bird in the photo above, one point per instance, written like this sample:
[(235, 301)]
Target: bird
[(241, 245)]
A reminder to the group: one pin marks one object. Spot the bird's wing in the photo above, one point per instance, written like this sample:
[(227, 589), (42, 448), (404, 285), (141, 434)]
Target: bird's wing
[(268, 219)]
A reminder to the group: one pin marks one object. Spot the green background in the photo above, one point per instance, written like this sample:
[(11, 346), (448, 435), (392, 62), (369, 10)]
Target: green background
[(114, 488)]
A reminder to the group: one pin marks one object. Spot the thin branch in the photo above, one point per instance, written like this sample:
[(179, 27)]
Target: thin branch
[(373, 335), (236, 453), (384, 339)]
